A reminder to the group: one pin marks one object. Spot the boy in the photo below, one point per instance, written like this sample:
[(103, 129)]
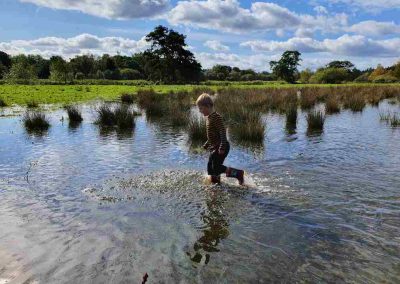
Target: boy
[(216, 142)]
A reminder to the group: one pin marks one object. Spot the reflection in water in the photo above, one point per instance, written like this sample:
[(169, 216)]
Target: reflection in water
[(216, 228)]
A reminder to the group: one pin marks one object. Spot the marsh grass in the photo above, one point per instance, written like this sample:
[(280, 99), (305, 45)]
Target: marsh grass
[(315, 121), (119, 116), (252, 130), (393, 119), (152, 102), (291, 116), (332, 105), (355, 102), (2, 102), (197, 129), (32, 104), (74, 114), (35, 121), (127, 98)]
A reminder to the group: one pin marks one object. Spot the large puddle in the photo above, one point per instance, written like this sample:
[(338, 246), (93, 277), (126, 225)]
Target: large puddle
[(83, 205)]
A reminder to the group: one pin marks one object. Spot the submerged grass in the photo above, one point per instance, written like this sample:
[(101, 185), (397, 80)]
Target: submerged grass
[(35, 121)]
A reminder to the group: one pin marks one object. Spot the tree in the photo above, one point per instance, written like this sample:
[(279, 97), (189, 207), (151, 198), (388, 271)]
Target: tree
[(396, 70), (83, 64), (286, 67), (5, 60), (167, 59), (305, 75), (347, 65), (59, 69), (329, 76), (379, 71), (21, 70)]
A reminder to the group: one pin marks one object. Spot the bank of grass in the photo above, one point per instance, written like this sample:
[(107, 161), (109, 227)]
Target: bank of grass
[(67, 94)]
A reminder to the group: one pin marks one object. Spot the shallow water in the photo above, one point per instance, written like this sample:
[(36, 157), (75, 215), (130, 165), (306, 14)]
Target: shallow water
[(83, 205)]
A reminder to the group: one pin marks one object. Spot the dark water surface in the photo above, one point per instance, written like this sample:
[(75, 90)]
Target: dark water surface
[(80, 205)]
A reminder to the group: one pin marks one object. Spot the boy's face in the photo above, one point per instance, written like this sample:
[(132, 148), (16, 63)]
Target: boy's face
[(204, 110)]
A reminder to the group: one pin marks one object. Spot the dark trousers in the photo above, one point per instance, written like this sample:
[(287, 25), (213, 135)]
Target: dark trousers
[(215, 165)]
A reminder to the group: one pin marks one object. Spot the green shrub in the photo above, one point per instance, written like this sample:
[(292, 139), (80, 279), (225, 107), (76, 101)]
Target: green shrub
[(330, 76), (386, 78)]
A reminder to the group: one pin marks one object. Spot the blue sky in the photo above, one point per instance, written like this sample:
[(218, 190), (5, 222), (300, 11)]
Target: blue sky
[(247, 34)]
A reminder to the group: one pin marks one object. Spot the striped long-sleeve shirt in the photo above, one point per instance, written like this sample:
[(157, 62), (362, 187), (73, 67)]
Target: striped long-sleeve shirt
[(216, 132)]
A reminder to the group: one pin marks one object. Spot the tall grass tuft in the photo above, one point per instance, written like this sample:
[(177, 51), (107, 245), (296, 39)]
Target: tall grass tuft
[(151, 102), (120, 116), (32, 104), (2, 103), (315, 121), (251, 130), (391, 118), (291, 118), (127, 98), (354, 102), (35, 121), (332, 105), (74, 114), (197, 129)]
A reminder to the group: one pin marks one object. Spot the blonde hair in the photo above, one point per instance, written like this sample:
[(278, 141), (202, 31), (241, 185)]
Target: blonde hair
[(205, 100)]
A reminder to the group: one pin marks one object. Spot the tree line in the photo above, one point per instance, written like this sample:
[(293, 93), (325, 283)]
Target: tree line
[(168, 60)]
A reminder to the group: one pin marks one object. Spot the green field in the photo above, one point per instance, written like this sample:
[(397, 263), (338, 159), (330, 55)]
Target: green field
[(64, 94)]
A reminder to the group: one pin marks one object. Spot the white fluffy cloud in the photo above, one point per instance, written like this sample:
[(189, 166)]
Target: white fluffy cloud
[(228, 15), (370, 4), (69, 47), (356, 45), (216, 45), (111, 9), (375, 28), (257, 62)]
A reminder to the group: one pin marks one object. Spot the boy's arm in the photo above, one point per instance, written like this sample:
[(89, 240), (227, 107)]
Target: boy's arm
[(222, 135), (206, 145)]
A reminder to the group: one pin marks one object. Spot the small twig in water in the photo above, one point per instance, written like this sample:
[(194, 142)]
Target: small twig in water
[(145, 276)]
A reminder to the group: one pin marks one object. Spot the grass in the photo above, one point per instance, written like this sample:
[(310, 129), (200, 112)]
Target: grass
[(32, 104), (332, 105), (197, 129), (74, 114), (355, 102), (291, 117), (2, 103), (67, 94), (35, 121), (252, 130), (127, 98), (315, 121), (119, 116), (393, 119)]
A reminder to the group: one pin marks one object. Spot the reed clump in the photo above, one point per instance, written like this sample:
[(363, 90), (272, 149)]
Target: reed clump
[(332, 105), (32, 104), (120, 116), (355, 102), (74, 114), (315, 121), (197, 129), (127, 98), (35, 121), (393, 119), (2, 102)]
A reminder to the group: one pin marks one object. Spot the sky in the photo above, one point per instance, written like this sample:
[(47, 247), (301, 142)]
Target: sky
[(241, 33)]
